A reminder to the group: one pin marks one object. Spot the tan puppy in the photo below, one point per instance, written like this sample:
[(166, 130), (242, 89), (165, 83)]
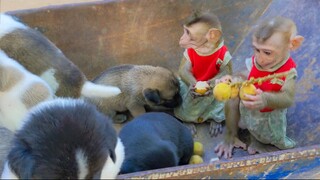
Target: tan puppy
[(140, 85)]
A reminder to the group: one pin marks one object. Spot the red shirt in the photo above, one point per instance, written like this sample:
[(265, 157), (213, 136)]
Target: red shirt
[(268, 85), (206, 67)]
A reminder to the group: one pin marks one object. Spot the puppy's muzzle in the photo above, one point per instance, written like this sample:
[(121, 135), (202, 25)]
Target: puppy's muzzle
[(175, 102)]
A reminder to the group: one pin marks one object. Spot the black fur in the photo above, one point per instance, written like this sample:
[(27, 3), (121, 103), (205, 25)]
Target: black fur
[(155, 140), (45, 147), (155, 97), (175, 102)]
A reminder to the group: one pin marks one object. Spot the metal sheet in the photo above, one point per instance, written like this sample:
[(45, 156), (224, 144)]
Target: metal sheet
[(99, 35)]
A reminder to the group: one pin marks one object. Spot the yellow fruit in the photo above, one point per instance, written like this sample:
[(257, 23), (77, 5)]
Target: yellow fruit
[(222, 91), (196, 159), (197, 148), (234, 91), (201, 87), (247, 89)]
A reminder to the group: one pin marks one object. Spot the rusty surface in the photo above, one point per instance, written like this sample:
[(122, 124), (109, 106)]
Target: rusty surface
[(96, 36)]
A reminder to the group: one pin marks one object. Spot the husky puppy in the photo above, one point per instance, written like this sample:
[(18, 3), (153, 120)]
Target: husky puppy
[(65, 139), (41, 57), (155, 140), (19, 91)]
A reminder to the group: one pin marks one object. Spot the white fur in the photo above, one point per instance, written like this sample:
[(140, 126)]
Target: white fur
[(8, 173), (64, 102), (48, 76), (8, 24), (12, 108), (82, 162), (111, 170), (90, 89)]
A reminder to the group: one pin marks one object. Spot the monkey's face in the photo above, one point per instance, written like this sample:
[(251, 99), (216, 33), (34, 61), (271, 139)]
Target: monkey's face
[(272, 51), (194, 36)]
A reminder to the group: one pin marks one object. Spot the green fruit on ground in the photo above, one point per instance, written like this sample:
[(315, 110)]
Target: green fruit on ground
[(196, 159), (198, 148)]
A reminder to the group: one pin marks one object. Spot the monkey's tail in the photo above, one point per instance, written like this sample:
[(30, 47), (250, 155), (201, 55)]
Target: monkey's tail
[(90, 89)]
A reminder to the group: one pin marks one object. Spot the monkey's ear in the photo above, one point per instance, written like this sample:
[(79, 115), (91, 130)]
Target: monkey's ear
[(296, 42), (152, 95), (214, 35)]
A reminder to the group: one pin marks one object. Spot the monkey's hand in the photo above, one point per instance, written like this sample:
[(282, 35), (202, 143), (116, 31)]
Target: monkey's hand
[(225, 148), (196, 94), (255, 101)]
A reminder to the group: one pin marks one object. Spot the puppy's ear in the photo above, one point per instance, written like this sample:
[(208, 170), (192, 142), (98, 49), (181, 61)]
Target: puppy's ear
[(152, 95), (21, 161)]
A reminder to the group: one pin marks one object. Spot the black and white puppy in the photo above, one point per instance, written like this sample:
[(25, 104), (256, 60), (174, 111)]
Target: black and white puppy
[(155, 140), (65, 139)]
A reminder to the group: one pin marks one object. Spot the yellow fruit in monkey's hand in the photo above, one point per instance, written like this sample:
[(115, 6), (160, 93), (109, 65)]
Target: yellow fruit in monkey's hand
[(247, 89), (222, 91), (234, 91), (197, 148), (201, 87), (196, 159)]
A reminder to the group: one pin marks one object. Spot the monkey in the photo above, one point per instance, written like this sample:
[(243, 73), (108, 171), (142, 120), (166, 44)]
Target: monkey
[(41, 57), (20, 90), (205, 58), (264, 114), (65, 138)]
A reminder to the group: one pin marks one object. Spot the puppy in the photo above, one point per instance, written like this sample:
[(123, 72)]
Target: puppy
[(19, 91), (140, 85), (65, 139), (155, 140), (6, 137), (41, 57)]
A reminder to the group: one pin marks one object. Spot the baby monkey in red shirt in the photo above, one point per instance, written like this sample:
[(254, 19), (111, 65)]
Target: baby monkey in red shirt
[(264, 114), (205, 59)]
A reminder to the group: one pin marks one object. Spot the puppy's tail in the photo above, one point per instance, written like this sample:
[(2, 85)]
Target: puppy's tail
[(90, 89)]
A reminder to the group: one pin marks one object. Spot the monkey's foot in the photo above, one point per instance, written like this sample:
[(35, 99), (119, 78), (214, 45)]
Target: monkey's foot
[(119, 118), (215, 128), (225, 149), (258, 147), (191, 127)]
